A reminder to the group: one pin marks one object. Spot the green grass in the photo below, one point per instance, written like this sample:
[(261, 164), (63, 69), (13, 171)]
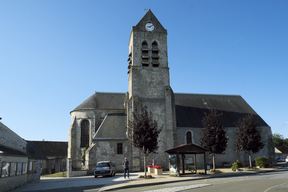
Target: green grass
[(60, 174)]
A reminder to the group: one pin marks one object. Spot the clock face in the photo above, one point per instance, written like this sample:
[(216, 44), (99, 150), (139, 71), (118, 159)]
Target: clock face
[(149, 27)]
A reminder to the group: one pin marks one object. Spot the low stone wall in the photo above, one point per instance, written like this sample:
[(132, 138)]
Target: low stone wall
[(78, 173), (9, 183)]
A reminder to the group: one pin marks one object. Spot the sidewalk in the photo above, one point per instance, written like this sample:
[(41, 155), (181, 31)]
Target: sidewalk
[(165, 178)]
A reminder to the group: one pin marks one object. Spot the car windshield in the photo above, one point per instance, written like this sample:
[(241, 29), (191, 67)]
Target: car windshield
[(103, 165)]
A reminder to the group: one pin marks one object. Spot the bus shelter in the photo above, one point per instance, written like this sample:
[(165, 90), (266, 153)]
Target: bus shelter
[(178, 155)]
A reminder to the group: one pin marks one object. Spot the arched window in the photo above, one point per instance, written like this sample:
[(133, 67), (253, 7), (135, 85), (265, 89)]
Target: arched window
[(188, 137), (84, 133), (155, 55), (145, 54)]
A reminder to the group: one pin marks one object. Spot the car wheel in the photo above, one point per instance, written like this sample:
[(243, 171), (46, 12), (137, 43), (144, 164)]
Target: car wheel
[(95, 176)]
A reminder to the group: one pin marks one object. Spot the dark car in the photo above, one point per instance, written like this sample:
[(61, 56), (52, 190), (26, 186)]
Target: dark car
[(104, 168)]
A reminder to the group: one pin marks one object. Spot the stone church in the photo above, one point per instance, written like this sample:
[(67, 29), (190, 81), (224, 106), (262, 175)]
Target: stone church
[(99, 123)]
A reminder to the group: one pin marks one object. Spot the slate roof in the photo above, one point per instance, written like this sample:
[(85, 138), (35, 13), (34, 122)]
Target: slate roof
[(33, 151), (149, 17), (113, 127), (52, 148), (187, 149), (283, 149), (8, 151), (103, 101), (190, 108)]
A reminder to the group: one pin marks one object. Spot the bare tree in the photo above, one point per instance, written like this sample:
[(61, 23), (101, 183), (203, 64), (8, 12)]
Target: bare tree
[(143, 132), (213, 134)]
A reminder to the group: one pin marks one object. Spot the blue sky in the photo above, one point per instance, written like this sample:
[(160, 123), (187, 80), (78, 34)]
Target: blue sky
[(55, 54)]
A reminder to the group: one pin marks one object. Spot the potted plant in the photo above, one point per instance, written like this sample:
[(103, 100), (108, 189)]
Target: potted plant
[(158, 169), (150, 169)]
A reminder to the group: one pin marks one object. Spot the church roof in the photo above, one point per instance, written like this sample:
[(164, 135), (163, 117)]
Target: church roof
[(102, 100), (147, 18), (190, 109), (112, 127)]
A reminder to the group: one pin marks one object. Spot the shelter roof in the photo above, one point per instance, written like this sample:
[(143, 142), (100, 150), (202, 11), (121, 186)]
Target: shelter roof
[(187, 149), (33, 151), (191, 108), (52, 148), (8, 151)]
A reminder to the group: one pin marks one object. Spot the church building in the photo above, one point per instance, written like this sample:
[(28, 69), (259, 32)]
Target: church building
[(98, 125)]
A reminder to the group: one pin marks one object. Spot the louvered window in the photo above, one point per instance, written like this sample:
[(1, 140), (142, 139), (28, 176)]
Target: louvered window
[(155, 54), (145, 54)]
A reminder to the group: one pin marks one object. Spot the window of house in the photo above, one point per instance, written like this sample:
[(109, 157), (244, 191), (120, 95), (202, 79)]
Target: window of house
[(19, 168), (84, 133), (119, 148), (12, 169), (145, 54), (5, 169), (155, 54), (24, 168), (31, 167), (188, 137)]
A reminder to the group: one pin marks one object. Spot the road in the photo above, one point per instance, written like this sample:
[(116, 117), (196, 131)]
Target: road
[(267, 182), (262, 182)]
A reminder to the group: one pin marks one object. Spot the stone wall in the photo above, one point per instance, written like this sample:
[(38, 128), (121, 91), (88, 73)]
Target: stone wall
[(107, 151), (230, 155), (95, 118)]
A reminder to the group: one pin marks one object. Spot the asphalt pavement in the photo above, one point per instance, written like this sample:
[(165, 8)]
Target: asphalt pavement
[(89, 183)]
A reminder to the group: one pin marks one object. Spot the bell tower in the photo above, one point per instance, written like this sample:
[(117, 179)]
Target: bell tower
[(149, 84)]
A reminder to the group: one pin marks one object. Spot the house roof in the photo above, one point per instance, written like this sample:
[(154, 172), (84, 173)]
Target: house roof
[(191, 108), (283, 149), (8, 151), (187, 149), (33, 151), (52, 148)]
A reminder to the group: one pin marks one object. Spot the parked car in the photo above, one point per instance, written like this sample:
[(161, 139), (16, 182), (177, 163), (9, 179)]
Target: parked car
[(286, 159), (104, 168), (281, 159)]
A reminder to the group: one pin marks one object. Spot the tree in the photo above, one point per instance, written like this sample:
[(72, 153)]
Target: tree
[(143, 132), (213, 135), (279, 140), (248, 137)]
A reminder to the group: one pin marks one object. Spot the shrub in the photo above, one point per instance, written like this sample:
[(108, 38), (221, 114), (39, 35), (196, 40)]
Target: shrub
[(262, 161), (157, 167), (150, 166), (237, 165)]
